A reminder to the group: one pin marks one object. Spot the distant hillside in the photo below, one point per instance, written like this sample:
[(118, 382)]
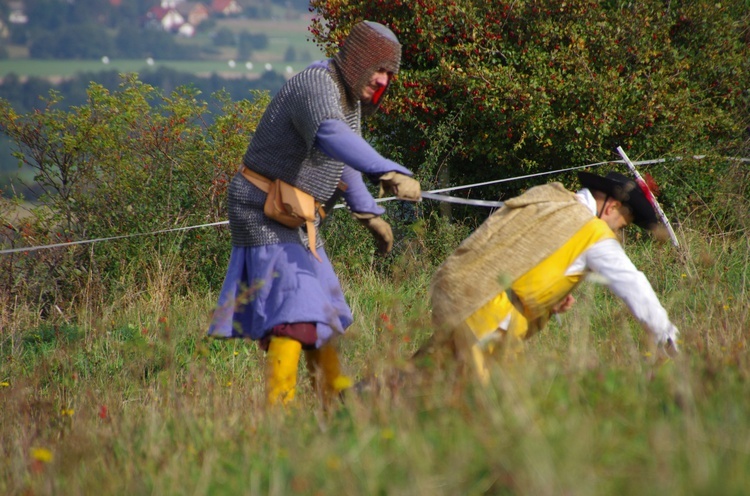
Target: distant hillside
[(234, 53)]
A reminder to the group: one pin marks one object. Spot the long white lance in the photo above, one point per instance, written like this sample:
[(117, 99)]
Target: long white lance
[(649, 195)]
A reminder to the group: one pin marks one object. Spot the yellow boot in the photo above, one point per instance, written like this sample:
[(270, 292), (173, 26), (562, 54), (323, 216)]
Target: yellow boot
[(323, 363), (281, 369)]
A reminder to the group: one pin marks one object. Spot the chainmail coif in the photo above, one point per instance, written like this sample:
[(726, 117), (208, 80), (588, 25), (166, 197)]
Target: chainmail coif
[(369, 47)]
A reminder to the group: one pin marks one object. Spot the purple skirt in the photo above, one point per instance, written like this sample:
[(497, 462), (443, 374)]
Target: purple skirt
[(279, 284)]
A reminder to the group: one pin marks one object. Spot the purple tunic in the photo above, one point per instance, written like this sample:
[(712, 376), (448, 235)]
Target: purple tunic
[(277, 284)]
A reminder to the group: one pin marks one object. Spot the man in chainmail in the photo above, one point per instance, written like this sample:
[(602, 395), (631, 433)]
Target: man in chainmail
[(277, 289)]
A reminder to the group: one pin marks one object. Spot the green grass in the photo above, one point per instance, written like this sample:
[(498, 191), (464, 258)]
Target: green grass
[(134, 399)]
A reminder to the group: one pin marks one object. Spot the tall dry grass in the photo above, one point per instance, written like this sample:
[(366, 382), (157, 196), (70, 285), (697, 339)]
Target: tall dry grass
[(133, 398)]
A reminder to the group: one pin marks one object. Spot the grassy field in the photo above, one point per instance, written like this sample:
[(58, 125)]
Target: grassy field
[(282, 34), (134, 399), (59, 69)]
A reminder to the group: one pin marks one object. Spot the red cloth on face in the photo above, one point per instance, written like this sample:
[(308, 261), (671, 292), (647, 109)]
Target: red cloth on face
[(378, 94)]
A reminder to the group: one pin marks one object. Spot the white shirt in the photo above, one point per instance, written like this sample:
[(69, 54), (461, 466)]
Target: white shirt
[(608, 259)]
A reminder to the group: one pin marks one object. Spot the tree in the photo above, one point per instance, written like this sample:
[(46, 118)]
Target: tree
[(224, 37), (497, 89), (257, 41), (132, 41), (290, 55), (82, 41), (127, 161)]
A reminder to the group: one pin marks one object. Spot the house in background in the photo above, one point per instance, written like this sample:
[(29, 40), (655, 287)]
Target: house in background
[(17, 13), (167, 19), (194, 12), (226, 7), (187, 30), (171, 4)]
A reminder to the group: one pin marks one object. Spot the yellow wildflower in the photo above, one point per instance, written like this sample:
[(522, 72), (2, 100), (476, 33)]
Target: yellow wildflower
[(333, 462), (342, 382), (42, 455)]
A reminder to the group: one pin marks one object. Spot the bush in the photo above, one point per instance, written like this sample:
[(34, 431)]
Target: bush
[(129, 161), (84, 41), (498, 89)]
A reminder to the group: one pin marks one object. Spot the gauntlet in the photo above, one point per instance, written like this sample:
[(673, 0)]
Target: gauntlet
[(380, 230), (402, 186)]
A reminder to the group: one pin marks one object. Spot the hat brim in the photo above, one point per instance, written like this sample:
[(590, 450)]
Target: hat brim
[(626, 191)]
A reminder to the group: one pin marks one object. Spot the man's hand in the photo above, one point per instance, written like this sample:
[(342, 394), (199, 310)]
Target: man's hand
[(564, 305), (402, 186), (666, 343), (380, 230), (670, 348)]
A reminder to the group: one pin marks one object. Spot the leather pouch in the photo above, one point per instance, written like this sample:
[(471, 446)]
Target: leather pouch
[(288, 205)]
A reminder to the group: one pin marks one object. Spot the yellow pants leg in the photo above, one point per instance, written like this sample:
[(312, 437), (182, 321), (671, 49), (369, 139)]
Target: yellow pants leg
[(469, 353), (325, 371), (281, 369)]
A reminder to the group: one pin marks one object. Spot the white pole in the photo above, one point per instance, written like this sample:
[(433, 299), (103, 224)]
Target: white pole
[(650, 196)]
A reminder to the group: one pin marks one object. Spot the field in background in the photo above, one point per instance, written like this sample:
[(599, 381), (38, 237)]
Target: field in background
[(282, 34), (57, 70)]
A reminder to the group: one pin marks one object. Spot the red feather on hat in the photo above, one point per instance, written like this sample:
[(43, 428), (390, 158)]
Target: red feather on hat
[(649, 187), (651, 183)]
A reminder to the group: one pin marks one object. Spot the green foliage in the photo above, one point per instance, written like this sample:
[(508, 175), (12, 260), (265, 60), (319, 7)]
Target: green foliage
[(498, 89), (127, 162), (128, 396), (49, 335), (132, 41), (713, 190), (224, 37), (83, 41), (27, 94)]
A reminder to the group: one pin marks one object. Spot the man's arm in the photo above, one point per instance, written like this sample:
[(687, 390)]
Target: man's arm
[(608, 259), (357, 196), (338, 141)]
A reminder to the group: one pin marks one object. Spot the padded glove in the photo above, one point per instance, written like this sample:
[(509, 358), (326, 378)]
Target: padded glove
[(402, 186), (380, 230)]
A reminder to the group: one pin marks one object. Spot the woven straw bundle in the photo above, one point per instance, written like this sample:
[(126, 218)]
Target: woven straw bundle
[(529, 228)]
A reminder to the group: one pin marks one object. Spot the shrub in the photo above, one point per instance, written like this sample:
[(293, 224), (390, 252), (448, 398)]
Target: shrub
[(498, 89), (126, 162)]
